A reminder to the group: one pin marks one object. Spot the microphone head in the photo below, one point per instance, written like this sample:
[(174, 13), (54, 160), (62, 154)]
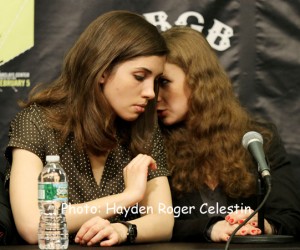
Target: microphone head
[(250, 137)]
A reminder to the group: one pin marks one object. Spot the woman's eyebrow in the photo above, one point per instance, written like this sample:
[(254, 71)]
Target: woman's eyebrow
[(146, 69)]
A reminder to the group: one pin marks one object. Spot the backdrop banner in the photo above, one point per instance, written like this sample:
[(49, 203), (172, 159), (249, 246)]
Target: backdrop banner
[(258, 43)]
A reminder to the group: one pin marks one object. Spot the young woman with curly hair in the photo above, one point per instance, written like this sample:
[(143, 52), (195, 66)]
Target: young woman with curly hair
[(203, 124)]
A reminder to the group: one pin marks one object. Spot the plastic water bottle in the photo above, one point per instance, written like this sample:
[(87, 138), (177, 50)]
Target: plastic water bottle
[(53, 200)]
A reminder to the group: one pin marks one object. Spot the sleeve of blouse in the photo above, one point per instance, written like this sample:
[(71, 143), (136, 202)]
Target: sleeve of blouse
[(282, 208), (159, 155), (26, 132), (193, 229)]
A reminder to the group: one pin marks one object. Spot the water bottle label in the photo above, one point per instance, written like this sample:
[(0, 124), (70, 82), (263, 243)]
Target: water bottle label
[(53, 191)]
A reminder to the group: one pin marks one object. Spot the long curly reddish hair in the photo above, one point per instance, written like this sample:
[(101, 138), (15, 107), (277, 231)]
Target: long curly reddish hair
[(207, 148)]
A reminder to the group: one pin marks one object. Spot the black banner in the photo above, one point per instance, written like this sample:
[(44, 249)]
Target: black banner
[(257, 42)]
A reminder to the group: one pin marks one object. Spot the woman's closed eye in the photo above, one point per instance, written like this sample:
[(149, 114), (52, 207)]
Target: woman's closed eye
[(140, 78)]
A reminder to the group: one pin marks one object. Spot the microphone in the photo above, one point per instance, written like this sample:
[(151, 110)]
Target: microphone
[(253, 141)]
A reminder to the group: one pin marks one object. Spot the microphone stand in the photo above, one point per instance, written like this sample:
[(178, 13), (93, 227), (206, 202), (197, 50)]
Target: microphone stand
[(260, 196), (263, 192)]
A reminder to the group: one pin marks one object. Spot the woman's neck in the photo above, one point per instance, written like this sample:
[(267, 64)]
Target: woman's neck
[(97, 165)]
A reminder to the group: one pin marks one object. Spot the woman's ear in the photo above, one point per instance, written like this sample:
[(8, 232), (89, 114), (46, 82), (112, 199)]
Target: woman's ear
[(102, 79)]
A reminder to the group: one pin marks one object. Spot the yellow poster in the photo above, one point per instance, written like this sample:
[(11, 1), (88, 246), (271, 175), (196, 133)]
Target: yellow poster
[(16, 28)]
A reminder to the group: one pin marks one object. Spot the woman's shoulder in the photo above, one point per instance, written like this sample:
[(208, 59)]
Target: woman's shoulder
[(31, 109), (33, 113), (30, 120), (275, 147)]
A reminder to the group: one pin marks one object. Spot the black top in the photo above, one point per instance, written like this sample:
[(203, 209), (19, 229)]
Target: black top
[(282, 208)]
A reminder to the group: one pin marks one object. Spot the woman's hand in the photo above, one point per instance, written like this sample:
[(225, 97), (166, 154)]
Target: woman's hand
[(98, 230), (239, 216), (135, 175), (222, 230)]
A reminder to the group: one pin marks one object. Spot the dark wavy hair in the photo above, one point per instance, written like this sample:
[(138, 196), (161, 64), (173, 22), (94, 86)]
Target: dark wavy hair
[(206, 147), (74, 103)]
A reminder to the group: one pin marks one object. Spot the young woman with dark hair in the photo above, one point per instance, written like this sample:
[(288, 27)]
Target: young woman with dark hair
[(99, 116)]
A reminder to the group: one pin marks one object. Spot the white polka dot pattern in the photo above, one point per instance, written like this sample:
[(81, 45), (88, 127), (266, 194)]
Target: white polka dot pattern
[(29, 131)]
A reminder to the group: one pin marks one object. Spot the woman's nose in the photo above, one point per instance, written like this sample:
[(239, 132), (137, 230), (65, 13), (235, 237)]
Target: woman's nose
[(148, 90), (158, 97)]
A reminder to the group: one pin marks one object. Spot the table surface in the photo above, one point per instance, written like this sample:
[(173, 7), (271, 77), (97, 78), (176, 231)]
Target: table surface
[(175, 246)]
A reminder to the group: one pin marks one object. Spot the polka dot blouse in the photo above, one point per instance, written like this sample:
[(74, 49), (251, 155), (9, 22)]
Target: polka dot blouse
[(29, 131)]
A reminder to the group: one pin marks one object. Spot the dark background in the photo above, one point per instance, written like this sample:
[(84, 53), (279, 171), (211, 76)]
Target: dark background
[(263, 59)]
